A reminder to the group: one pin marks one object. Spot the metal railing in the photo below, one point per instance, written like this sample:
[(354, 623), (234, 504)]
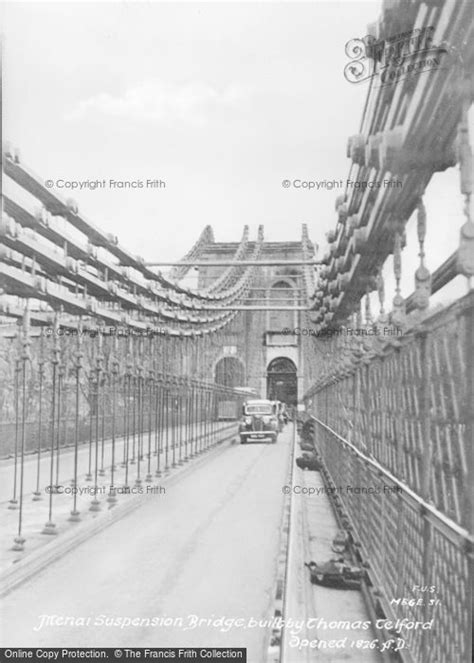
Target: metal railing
[(112, 403), (395, 435)]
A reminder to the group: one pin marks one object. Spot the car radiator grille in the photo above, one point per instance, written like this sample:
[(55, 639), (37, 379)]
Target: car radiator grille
[(257, 424)]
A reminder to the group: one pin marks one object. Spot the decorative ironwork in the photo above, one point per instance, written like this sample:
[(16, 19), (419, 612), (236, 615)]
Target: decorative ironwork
[(398, 313), (402, 419), (422, 274)]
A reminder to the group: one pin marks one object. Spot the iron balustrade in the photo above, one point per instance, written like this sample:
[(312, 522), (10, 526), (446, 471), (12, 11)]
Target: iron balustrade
[(110, 404), (399, 420)]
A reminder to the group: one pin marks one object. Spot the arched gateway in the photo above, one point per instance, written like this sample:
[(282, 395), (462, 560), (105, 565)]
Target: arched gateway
[(282, 381)]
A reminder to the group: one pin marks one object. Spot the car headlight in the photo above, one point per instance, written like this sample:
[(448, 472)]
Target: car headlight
[(248, 421), (266, 420)]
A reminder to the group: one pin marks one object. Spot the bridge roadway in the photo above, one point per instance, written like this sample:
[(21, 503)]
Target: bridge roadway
[(208, 548)]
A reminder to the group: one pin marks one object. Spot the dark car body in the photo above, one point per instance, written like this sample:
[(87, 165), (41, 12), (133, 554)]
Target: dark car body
[(259, 422), (335, 573)]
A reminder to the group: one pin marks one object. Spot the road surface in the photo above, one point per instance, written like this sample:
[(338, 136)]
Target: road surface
[(206, 550)]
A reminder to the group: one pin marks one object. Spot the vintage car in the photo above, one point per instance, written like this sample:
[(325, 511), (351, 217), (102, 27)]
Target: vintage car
[(335, 573), (259, 422), (282, 414)]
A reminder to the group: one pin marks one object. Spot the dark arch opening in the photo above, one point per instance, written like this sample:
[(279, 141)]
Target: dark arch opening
[(229, 372), (282, 383)]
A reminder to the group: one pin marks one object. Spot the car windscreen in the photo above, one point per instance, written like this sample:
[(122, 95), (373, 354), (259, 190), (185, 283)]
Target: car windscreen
[(258, 409)]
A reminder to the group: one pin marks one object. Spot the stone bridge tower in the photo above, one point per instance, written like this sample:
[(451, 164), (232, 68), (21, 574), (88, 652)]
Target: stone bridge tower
[(260, 350)]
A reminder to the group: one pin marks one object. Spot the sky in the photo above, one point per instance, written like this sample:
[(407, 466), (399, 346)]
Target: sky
[(221, 101)]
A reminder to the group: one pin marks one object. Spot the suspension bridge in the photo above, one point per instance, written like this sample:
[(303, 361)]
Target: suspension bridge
[(122, 382)]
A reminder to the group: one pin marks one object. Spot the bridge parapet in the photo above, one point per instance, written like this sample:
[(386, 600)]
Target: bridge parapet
[(405, 400), (391, 393), (395, 428)]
